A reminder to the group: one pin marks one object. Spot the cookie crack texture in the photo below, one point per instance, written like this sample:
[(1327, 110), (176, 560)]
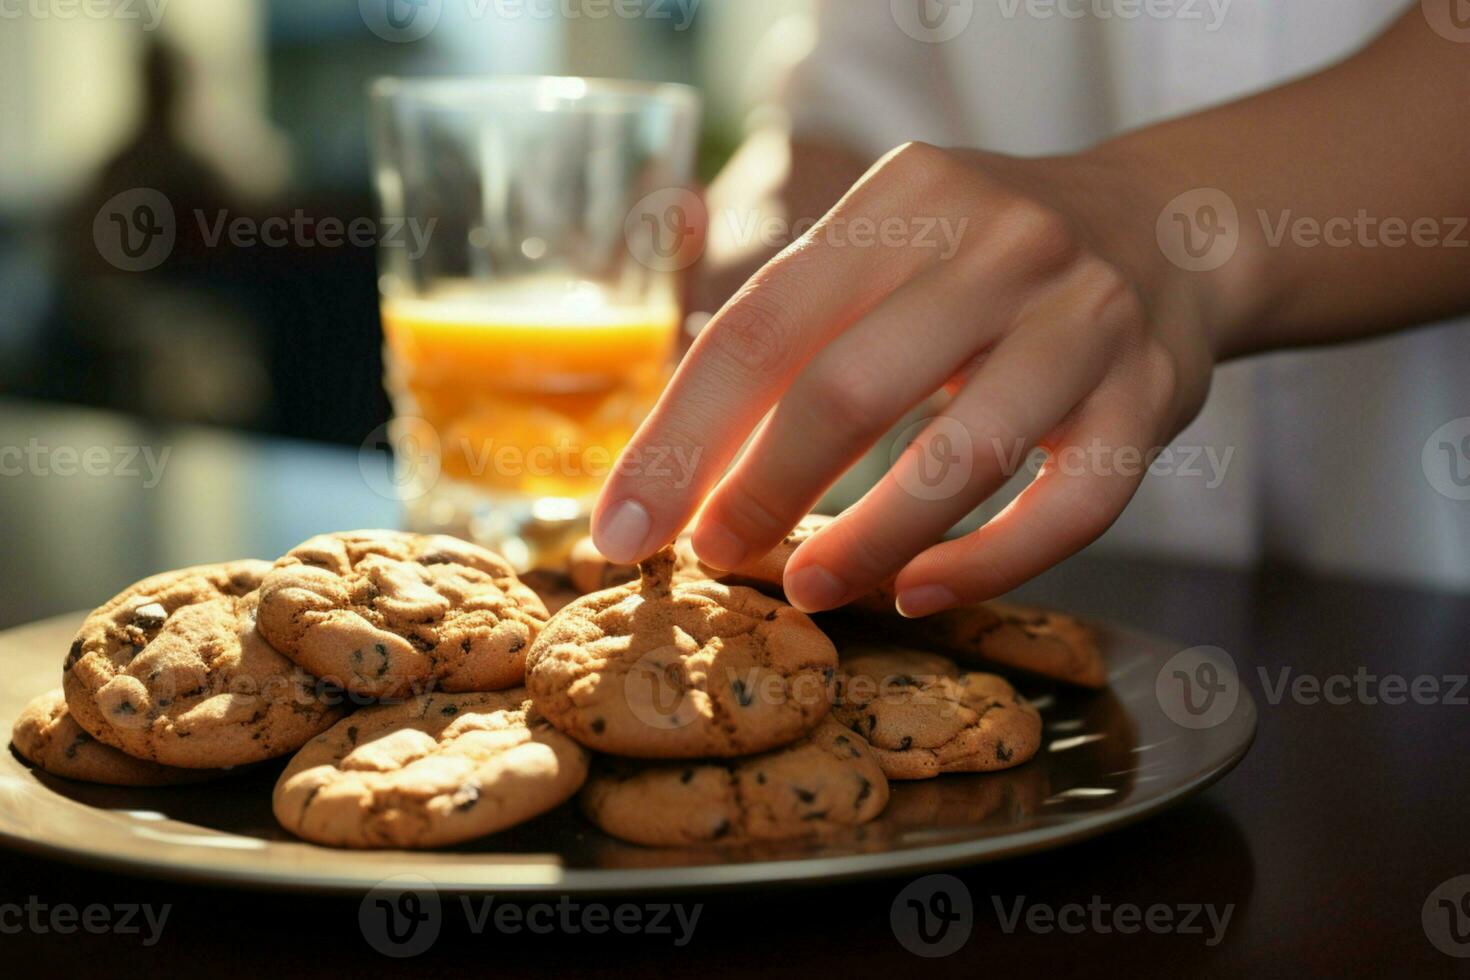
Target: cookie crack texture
[(662, 669), (946, 722), (386, 613), (435, 770), (173, 670)]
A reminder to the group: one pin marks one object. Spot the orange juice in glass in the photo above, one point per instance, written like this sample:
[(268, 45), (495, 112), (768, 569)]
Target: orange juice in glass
[(533, 329)]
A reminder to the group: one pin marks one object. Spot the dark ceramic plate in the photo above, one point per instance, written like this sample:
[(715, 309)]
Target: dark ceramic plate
[(1109, 758)]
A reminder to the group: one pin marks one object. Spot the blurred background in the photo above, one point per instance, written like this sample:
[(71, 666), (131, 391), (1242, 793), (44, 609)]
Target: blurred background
[(256, 109)]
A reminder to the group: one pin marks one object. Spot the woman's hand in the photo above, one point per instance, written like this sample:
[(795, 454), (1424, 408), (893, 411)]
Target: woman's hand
[(1034, 290)]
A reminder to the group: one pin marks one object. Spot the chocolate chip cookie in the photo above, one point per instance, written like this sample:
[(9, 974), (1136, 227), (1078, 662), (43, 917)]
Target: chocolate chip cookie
[(434, 770), (173, 670), (46, 736), (386, 614), (1038, 641), (655, 670), (826, 781), (923, 719)]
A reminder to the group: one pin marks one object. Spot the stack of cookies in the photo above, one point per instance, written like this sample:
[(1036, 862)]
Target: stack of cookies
[(430, 698)]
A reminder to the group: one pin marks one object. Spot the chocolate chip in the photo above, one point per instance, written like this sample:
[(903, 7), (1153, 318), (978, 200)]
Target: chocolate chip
[(771, 616), (437, 558), (721, 830), (817, 815), (872, 723), (686, 775), (150, 616), (760, 778), (517, 644), (449, 710), (76, 743), (597, 726), (902, 680), (805, 795), (742, 696), (1002, 753), (864, 789), (905, 744), (126, 708), (467, 797), (357, 656), (73, 655), (841, 740)]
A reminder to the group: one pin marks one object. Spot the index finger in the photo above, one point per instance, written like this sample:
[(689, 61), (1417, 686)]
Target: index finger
[(733, 374)]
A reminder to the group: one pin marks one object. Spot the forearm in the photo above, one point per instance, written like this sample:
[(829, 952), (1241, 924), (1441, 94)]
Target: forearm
[(1351, 190)]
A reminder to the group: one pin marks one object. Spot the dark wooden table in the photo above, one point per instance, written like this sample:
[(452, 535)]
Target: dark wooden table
[(1326, 842)]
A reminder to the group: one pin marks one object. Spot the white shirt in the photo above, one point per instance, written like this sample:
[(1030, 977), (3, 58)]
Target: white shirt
[(1319, 457)]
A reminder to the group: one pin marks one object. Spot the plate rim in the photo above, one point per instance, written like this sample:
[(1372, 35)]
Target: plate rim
[(794, 872)]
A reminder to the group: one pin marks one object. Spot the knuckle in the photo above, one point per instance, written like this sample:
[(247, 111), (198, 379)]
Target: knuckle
[(874, 556), (1161, 369), (845, 393), (750, 336), (743, 508), (1034, 234), (916, 156)]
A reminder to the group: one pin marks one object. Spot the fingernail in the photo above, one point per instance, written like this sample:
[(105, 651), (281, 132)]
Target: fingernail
[(717, 545), (924, 600), (814, 589), (621, 531)]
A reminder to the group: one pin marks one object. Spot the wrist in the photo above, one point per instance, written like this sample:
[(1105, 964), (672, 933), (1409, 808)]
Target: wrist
[(1188, 241)]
